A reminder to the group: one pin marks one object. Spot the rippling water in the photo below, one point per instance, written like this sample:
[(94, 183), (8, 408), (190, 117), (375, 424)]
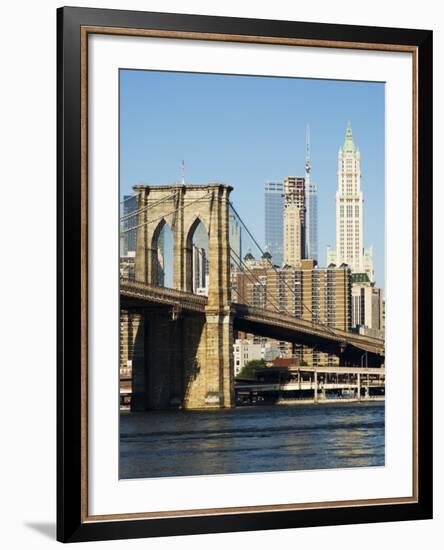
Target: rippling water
[(251, 439)]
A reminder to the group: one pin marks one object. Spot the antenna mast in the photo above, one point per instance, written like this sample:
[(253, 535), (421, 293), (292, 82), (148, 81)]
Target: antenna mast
[(307, 152)]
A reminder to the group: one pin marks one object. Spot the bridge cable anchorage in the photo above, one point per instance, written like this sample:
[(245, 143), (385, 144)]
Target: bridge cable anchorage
[(242, 298), (243, 264), (165, 215), (274, 268), (136, 212)]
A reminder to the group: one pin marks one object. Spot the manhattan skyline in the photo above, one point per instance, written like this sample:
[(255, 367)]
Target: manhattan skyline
[(244, 130)]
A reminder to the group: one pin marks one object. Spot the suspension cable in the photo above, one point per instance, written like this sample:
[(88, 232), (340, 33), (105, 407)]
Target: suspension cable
[(136, 212), (167, 214), (274, 268), (264, 285), (128, 198), (276, 307)]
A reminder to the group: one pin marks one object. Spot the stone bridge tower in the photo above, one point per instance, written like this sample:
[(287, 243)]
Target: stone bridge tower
[(185, 358)]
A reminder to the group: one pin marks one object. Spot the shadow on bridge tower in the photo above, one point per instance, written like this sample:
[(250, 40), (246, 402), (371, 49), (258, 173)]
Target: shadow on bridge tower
[(181, 358)]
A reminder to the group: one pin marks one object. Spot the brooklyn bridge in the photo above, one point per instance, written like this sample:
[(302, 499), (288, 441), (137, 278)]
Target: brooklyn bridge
[(179, 343)]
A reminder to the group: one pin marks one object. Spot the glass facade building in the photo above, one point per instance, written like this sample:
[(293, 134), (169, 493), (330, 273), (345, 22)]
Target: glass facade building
[(130, 205), (311, 203), (311, 231), (274, 220)]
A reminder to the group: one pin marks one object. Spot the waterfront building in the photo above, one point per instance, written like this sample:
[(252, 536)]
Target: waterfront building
[(307, 292), (294, 220), (245, 351), (274, 219), (311, 198)]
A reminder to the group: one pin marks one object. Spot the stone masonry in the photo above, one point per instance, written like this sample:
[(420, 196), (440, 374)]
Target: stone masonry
[(187, 357)]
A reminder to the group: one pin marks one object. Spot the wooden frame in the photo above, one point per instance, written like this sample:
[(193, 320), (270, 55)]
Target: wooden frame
[(74, 25)]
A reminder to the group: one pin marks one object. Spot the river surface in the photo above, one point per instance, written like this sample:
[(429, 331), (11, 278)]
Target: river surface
[(251, 439)]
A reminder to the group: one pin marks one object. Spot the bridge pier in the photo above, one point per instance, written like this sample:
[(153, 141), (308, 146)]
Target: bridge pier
[(188, 360), (219, 390), (178, 360)]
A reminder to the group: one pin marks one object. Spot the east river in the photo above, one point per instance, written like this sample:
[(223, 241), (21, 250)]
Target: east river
[(251, 439)]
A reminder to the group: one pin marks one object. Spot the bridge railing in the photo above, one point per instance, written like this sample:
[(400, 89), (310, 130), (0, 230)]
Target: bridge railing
[(133, 288), (310, 326)]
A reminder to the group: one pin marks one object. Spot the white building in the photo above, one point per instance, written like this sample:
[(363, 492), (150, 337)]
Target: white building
[(293, 236), (367, 307), (245, 351), (349, 199), (349, 213)]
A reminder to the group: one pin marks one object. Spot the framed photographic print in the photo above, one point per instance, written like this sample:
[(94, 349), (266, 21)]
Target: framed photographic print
[(245, 267)]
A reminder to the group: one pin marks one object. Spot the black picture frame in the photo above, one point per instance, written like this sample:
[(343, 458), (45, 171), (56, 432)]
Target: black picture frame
[(72, 524)]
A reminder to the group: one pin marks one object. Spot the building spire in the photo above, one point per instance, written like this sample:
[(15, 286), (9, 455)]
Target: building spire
[(349, 146)]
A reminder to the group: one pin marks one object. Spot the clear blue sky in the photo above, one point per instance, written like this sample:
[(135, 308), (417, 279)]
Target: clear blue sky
[(244, 130)]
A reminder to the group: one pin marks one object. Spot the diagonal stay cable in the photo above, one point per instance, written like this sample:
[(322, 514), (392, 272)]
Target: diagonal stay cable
[(128, 198), (264, 285), (151, 205), (167, 214), (284, 281), (256, 280)]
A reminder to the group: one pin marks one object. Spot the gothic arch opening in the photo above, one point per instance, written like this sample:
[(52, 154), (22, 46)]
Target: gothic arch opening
[(163, 255), (198, 258)]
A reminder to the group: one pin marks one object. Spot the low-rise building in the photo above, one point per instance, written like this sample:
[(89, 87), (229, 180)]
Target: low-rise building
[(245, 351)]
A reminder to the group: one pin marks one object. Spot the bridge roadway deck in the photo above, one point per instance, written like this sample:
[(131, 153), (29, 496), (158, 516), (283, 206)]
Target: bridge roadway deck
[(250, 319)]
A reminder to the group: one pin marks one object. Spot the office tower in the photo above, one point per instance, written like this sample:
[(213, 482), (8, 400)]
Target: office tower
[(274, 220), (349, 200), (294, 220), (311, 198)]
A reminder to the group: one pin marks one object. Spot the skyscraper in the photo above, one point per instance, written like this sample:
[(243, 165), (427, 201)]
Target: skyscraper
[(294, 220), (311, 199), (293, 242), (274, 219), (200, 271), (130, 205), (349, 200)]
